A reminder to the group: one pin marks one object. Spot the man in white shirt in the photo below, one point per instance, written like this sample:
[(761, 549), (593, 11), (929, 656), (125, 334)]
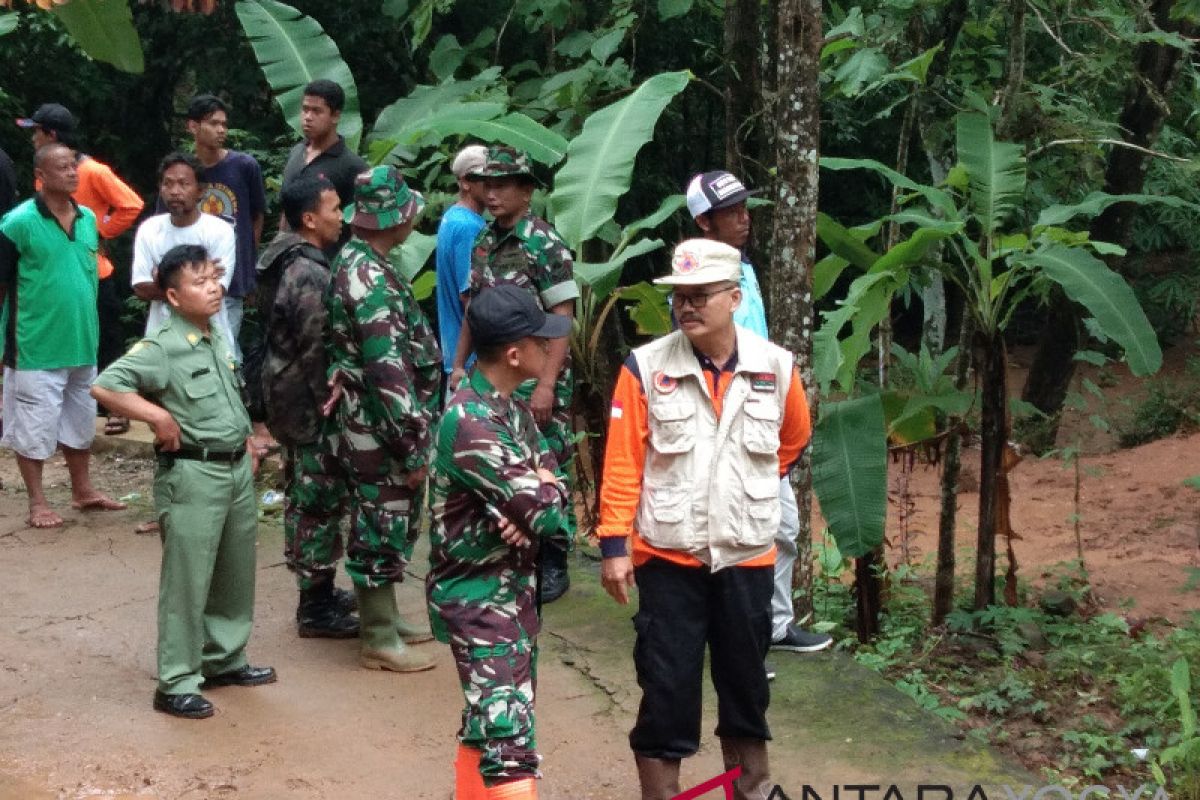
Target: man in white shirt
[(180, 188)]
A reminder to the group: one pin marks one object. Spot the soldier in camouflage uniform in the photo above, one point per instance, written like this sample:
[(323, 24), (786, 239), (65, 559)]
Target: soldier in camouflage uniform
[(495, 501), (293, 276), (384, 354), (524, 250)]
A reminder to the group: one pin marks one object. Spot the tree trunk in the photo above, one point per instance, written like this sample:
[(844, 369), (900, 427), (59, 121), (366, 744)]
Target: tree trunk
[(867, 595), (744, 141), (943, 587), (994, 439), (1156, 69), (797, 114)]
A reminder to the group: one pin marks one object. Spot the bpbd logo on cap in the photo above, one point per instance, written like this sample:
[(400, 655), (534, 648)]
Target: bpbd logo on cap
[(686, 262)]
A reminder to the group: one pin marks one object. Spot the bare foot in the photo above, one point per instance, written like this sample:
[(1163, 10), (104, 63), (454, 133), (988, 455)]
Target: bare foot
[(146, 528), (42, 516), (96, 501)]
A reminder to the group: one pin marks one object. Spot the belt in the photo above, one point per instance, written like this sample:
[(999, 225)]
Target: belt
[(188, 453)]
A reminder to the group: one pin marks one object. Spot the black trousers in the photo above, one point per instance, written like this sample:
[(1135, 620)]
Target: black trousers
[(683, 609), (112, 332)]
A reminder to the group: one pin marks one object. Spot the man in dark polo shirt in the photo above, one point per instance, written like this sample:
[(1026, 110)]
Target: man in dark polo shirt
[(8, 183), (48, 276), (324, 153)]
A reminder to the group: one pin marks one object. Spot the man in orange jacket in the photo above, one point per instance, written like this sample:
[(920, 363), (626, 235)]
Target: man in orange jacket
[(704, 423), (116, 207)]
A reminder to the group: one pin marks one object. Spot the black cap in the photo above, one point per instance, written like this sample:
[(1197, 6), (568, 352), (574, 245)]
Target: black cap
[(506, 313), (52, 116), (710, 191)]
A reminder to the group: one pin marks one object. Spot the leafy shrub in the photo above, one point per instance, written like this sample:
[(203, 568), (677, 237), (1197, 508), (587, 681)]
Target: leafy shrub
[(1167, 409)]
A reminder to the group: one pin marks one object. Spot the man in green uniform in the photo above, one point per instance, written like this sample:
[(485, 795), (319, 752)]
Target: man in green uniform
[(522, 249), (495, 501), (181, 380), (385, 356)]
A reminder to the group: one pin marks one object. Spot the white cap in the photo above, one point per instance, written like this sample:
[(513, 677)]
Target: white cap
[(700, 261), (469, 161)]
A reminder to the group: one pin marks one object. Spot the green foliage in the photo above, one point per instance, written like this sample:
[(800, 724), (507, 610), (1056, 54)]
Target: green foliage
[(1167, 408), (293, 50), (8, 23), (600, 160), (104, 30), (850, 472)]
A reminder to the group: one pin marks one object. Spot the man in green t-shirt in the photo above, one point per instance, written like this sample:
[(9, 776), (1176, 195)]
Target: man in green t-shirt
[(48, 250)]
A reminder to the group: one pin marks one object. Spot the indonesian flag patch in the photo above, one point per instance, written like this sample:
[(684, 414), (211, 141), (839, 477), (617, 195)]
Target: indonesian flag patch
[(618, 410)]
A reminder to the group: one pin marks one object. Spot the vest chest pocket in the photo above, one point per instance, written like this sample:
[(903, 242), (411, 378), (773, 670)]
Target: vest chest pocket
[(760, 427), (673, 428)]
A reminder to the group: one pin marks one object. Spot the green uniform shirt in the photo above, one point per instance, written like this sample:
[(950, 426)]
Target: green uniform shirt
[(192, 376), (50, 276)]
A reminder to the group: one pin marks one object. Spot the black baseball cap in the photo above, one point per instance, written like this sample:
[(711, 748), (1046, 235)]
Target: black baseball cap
[(710, 191), (506, 313), (50, 115)]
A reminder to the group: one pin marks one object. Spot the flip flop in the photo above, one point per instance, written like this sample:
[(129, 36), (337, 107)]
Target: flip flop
[(99, 503), (44, 518), (115, 426)]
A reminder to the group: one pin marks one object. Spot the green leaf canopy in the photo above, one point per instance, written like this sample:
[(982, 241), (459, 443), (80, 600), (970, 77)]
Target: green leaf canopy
[(293, 50), (849, 472), (600, 159), (104, 30)]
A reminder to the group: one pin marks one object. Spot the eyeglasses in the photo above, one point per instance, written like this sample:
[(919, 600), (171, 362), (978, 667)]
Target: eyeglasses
[(698, 300)]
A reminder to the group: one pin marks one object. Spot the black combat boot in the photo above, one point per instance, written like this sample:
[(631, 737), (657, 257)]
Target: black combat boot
[(555, 580), (320, 616)]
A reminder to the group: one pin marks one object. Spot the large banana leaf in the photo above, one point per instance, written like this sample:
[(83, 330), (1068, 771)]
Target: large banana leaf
[(104, 30), (1107, 297), (8, 23), (937, 198), (849, 472), (603, 278), (413, 253), (423, 101), (995, 171), (600, 159), (406, 137), (1096, 202), (293, 50), (517, 130)]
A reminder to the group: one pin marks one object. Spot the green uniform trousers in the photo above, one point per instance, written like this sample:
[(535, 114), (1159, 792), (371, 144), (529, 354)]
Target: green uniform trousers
[(315, 501), (209, 523)]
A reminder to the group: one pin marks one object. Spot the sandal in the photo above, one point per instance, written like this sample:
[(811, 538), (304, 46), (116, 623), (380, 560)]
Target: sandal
[(115, 426)]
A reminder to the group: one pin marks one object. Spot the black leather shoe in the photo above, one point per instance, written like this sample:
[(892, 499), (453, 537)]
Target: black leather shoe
[(246, 676), (188, 706), (327, 622)]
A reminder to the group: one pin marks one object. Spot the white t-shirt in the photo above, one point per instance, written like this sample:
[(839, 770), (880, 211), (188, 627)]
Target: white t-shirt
[(157, 235)]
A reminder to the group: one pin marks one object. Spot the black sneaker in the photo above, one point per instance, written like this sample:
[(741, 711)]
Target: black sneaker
[(770, 668), (798, 640)]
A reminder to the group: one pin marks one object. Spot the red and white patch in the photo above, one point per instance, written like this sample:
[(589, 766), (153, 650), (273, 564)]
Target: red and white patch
[(686, 262), (618, 410), (664, 384)]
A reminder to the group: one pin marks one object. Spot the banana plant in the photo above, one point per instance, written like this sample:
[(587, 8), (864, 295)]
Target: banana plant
[(293, 49), (996, 263)]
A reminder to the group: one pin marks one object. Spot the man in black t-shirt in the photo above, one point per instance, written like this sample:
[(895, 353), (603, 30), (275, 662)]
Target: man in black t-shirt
[(8, 183)]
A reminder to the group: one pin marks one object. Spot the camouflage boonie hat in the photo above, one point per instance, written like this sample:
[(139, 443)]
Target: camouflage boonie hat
[(504, 161), (382, 200)]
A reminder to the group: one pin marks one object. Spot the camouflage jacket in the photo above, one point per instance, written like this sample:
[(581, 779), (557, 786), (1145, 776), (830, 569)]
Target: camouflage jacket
[(533, 256), (482, 591), (292, 278), (387, 355)]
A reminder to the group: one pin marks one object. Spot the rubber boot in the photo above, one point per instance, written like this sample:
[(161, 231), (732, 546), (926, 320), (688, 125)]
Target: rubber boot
[(523, 789), (555, 579), (319, 617), (659, 777), (468, 783), (381, 647), (751, 755), (412, 633)]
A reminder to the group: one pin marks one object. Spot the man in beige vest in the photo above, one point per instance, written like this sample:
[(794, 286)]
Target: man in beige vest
[(704, 422)]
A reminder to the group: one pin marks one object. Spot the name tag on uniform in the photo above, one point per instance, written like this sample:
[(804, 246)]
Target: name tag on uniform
[(200, 372), (762, 381)]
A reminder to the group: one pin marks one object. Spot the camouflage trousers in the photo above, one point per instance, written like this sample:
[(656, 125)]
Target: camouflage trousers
[(498, 684), (314, 501), (385, 517), (560, 438)]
